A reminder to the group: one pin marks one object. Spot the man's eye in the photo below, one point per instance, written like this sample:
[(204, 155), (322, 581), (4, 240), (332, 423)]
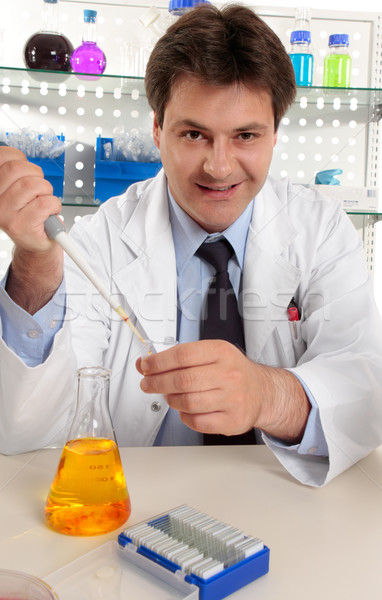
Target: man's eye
[(246, 136), (193, 135)]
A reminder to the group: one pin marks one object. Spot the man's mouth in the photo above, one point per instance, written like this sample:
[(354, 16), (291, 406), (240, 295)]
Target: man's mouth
[(218, 189)]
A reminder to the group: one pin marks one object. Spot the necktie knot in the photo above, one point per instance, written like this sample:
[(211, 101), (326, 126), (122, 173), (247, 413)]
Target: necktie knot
[(216, 253)]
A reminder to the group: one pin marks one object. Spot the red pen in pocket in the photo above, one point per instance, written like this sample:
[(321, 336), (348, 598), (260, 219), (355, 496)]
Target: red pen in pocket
[(293, 315)]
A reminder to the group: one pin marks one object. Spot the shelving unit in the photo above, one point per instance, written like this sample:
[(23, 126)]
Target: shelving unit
[(81, 109), (324, 129)]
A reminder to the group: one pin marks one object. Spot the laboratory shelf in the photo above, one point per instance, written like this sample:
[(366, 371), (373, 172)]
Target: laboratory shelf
[(16, 77), (35, 79), (346, 96)]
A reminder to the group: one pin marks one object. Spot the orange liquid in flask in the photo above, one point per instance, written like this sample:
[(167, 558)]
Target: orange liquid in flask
[(88, 495)]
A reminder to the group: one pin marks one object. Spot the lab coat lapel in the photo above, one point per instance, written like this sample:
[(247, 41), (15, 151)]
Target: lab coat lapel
[(148, 282), (269, 279)]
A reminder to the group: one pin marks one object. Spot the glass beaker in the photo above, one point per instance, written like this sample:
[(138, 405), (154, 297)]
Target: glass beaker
[(88, 495)]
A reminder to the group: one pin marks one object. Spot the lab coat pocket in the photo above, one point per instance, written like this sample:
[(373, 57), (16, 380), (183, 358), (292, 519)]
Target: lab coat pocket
[(299, 345), (291, 341)]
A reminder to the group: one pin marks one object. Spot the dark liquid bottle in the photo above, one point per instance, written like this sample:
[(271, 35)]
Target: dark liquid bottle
[(48, 49)]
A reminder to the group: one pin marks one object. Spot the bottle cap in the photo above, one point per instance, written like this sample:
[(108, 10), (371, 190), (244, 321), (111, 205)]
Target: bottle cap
[(300, 36), (90, 16), (339, 39), (50, 1), (179, 7)]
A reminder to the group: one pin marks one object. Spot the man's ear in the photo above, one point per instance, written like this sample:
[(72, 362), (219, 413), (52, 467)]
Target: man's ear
[(156, 131)]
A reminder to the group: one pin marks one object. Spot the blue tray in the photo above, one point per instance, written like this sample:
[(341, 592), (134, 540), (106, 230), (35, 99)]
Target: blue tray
[(113, 177)]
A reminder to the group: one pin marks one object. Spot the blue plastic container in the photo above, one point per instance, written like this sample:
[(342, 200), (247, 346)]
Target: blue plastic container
[(113, 177), (54, 170)]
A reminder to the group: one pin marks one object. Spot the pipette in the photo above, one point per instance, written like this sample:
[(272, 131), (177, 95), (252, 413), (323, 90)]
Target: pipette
[(55, 230)]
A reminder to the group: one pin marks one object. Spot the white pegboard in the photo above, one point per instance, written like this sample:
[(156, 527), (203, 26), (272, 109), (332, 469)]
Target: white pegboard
[(324, 129)]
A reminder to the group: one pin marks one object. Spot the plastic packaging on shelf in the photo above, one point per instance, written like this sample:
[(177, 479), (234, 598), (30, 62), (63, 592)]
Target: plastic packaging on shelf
[(300, 52), (35, 145), (48, 49), (132, 145), (47, 150), (88, 57), (155, 21), (337, 64), (117, 165)]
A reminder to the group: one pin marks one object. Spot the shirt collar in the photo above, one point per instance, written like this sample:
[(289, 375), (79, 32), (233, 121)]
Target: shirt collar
[(188, 235)]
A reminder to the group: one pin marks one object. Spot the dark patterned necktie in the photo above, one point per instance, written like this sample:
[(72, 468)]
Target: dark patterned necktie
[(221, 318)]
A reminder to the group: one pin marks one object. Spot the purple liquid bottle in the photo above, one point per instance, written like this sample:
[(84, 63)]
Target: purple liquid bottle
[(88, 58)]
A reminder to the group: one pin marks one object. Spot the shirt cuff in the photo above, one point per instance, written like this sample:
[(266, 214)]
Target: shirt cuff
[(31, 337), (313, 442)]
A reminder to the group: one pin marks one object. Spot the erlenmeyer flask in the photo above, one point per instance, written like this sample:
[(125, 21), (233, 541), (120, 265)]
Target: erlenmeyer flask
[(88, 495)]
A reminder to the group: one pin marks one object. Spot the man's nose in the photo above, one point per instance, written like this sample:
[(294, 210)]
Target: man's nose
[(219, 162)]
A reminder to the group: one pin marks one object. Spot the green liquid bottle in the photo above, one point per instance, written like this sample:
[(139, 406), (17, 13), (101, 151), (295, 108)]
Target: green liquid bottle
[(337, 64)]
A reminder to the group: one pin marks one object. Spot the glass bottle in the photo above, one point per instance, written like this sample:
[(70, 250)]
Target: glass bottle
[(48, 49), (88, 495), (337, 64), (88, 57), (300, 52), (301, 57)]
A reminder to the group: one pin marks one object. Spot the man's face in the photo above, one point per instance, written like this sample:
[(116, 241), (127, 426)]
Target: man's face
[(216, 145)]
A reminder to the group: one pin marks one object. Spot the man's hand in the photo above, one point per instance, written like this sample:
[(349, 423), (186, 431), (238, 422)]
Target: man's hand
[(217, 389), (26, 201)]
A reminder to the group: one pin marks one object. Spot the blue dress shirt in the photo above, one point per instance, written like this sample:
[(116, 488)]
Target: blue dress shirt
[(31, 337)]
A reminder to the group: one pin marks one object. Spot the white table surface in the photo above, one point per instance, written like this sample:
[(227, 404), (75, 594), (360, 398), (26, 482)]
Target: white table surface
[(324, 543)]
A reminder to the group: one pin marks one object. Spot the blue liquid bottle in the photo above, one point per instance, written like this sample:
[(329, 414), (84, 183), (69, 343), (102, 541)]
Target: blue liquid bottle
[(302, 57)]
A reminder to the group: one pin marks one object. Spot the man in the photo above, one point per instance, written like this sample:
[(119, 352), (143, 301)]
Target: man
[(311, 389)]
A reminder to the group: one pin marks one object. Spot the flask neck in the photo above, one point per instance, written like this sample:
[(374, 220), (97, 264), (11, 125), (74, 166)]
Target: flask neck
[(50, 17), (90, 32), (92, 417)]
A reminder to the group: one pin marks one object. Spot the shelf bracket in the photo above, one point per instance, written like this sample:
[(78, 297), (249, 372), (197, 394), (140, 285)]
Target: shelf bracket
[(376, 113)]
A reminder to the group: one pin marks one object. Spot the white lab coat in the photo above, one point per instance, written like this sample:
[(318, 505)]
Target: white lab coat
[(300, 244)]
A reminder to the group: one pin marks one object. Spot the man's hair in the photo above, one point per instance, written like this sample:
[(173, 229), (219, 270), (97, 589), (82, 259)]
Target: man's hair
[(221, 47)]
